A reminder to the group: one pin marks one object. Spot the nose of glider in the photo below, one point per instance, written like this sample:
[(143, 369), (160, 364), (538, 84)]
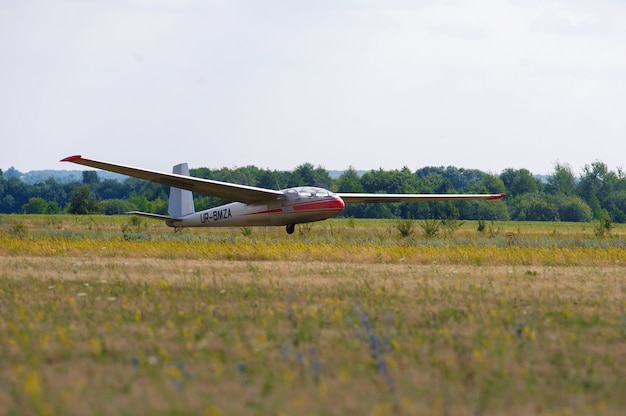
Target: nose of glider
[(338, 204)]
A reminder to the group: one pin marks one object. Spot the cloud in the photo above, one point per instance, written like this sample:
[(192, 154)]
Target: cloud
[(551, 22), (467, 33)]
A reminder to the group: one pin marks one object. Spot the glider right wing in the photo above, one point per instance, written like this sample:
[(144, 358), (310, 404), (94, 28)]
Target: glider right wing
[(354, 198)]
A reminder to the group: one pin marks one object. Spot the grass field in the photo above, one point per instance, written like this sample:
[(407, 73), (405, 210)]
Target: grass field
[(108, 315)]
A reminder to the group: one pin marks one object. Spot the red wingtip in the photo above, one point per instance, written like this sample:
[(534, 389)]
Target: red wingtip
[(498, 196), (71, 158)]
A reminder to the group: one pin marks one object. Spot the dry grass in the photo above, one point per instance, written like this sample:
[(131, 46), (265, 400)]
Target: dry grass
[(105, 323)]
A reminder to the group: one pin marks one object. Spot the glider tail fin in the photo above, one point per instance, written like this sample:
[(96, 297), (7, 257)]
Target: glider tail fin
[(181, 201)]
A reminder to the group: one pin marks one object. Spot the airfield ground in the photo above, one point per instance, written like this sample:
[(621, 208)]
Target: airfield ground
[(107, 315)]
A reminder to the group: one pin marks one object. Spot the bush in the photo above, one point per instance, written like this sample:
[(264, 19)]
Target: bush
[(116, 206), (18, 229), (35, 206), (430, 228), (451, 225), (574, 209), (603, 226), (405, 226), (82, 201), (533, 207), (134, 224), (53, 208)]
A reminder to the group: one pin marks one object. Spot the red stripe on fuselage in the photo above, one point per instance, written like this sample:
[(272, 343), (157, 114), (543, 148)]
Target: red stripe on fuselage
[(324, 205), (309, 206)]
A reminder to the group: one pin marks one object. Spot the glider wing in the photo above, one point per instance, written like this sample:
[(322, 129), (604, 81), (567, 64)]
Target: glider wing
[(224, 190), (353, 198)]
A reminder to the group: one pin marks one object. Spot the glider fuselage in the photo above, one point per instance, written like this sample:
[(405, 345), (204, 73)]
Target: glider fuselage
[(296, 205)]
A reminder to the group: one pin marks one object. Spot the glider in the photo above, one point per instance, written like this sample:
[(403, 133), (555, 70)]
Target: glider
[(253, 206)]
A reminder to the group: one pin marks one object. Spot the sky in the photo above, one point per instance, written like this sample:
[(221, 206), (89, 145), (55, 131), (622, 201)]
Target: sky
[(476, 84)]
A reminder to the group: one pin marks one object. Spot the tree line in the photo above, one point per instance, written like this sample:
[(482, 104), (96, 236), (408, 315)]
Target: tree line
[(596, 193)]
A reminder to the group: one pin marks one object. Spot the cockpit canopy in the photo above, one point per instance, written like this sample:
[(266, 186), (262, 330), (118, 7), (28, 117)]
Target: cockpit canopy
[(306, 192)]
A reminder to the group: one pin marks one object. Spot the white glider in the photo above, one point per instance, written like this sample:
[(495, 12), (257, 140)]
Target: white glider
[(254, 206)]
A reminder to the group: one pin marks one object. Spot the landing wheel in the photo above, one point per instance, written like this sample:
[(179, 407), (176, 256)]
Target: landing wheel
[(290, 228)]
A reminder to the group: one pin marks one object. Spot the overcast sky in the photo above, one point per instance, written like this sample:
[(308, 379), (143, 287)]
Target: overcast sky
[(485, 84)]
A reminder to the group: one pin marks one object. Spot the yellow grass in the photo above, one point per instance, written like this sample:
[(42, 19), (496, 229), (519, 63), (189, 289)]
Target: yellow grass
[(347, 318)]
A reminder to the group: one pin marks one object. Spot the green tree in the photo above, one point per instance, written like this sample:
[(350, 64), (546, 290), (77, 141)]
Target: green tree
[(6, 200), (111, 189), (82, 201), (50, 190), (486, 210), (160, 206), (139, 202), (533, 207), (7, 204), (90, 177), (562, 180), (395, 181), (593, 182), (349, 181), (572, 208), (270, 179), (3, 184), (483, 210), (202, 202), (460, 179), (308, 175), (53, 208), (377, 181), (599, 186), (492, 184), (518, 182), (35, 205), (18, 194), (378, 211), (616, 204), (435, 184)]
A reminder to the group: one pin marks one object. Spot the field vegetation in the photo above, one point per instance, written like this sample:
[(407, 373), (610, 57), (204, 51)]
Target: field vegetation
[(119, 315)]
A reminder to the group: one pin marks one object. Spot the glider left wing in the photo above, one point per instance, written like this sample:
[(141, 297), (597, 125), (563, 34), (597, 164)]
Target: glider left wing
[(224, 190), (354, 198)]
